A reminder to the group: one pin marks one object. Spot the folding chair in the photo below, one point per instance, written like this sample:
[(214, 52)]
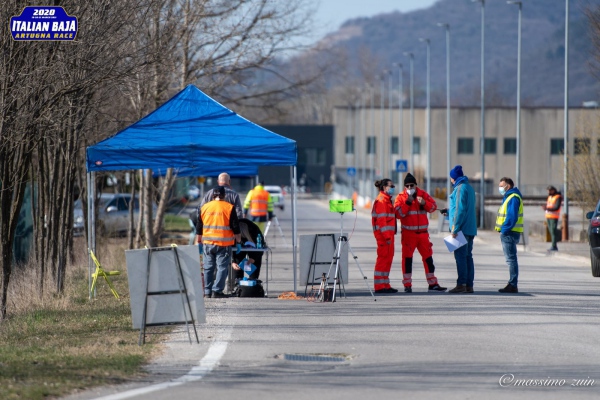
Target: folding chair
[(105, 274)]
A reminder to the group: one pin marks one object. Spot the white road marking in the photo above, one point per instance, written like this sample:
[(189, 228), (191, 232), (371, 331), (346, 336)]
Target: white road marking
[(208, 362)]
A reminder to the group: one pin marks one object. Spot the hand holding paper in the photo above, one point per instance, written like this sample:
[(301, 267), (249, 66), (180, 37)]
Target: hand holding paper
[(454, 243)]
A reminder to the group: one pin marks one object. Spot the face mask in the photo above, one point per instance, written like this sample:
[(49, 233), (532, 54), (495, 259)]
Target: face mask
[(390, 190), (410, 191), (502, 190)]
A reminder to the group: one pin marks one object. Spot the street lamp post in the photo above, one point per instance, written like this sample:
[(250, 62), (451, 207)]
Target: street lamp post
[(391, 135), (428, 116), (448, 152), (518, 167), (412, 112), (382, 127), (482, 144), (401, 108), (371, 147)]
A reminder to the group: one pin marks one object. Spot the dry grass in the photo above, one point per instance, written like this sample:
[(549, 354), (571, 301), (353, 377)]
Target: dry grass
[(51, 344)]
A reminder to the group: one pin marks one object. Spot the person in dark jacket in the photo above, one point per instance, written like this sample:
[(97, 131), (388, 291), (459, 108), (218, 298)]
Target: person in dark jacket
[(250, 233), (462, 218), (509, 222)]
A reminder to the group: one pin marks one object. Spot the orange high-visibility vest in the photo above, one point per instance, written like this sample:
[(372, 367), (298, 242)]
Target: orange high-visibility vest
[(259, 203), (551, 203), (215, 218)]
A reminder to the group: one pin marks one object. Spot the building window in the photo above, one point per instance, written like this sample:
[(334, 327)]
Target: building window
[(465, 146), (581, 146), (349, 144), (510, 146), (416, 145), (557, 146), (489, 145), (312, 157), (394, 145), (371, 144)]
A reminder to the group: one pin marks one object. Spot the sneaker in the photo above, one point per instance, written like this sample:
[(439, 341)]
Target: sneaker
[(407, 289), (509, 289), (458, 289), (469, 289), (436, 288), (219, 295), (553, 249)]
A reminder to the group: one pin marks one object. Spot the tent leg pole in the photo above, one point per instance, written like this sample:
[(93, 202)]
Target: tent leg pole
[(294, 224)]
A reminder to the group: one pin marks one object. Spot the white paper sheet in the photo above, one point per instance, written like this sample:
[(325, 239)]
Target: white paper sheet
[(454, 243)]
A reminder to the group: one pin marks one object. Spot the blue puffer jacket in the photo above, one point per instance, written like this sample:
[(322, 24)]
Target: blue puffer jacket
[(461, 214)]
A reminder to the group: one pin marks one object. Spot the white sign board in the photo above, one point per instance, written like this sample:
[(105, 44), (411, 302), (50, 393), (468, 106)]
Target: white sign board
[(164, 308), (325, 251)]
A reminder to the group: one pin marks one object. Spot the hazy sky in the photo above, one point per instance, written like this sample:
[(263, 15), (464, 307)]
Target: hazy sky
[(332, 13)]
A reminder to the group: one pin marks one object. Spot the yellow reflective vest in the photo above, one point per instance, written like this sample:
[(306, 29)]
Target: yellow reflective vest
[(501, 216)]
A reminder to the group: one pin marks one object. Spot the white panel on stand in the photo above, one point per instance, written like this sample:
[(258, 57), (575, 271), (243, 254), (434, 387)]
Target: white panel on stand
[(166, 308), (324, 256)]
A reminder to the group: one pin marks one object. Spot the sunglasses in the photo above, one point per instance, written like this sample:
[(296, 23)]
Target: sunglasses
[(409, 185), (392, 186)]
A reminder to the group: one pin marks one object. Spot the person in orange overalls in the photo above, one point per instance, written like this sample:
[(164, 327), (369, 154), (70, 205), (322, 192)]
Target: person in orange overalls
[(383, 220), (411, 207)]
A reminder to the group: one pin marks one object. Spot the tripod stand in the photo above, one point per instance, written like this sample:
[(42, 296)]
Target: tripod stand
[(278, 227), (336, 260)]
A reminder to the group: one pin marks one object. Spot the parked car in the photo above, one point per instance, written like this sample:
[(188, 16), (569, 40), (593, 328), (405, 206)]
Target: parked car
[(78, 226), (193, 192), (594, 239), (277, 195), (113, 214)]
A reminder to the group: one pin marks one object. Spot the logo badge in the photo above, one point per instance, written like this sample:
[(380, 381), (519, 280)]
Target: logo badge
[(43, 23)]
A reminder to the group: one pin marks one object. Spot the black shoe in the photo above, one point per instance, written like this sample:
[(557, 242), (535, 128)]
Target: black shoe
[(407, 289), (386, 290), (207, 296), (509, 289), (219, 295), (436, 288), (458, 289), (469, 289), (553, 249)]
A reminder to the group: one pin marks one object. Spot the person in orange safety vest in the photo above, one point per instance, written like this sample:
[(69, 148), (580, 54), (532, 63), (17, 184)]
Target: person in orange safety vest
[(385, 227), (552, 209), (411, 207), (258, 206)]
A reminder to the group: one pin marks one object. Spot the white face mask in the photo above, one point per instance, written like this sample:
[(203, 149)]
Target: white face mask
[(410, 191), (501, 190)]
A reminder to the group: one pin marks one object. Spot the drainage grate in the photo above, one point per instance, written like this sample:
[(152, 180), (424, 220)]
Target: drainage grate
[(316, 357)]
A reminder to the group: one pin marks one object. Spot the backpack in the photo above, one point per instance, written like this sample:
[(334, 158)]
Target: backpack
[(256, 290)]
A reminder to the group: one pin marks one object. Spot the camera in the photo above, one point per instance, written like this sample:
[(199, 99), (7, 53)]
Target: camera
[(341, 206)]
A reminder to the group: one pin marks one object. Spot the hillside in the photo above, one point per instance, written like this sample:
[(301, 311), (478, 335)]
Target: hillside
[(388, 36)]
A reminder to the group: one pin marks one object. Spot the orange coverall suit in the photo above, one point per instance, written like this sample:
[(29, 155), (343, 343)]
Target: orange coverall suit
[(414, 222), (383, 220)]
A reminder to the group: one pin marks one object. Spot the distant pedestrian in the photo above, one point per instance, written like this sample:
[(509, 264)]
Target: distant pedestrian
[(258, 206), (463, 218), (384, 224), (509, 222), (552, 209), (231, 195), (411, 207)]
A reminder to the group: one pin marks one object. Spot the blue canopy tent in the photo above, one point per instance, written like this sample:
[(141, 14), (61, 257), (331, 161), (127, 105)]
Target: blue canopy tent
[(212, 170), (192, 132)]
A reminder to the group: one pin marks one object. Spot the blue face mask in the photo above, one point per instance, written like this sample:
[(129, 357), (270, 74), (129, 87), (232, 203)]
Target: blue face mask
[(502, 190), (390, 190)]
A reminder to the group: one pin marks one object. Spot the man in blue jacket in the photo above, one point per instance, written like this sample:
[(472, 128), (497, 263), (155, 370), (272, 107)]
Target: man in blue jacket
[(509, 222), (462, 217)]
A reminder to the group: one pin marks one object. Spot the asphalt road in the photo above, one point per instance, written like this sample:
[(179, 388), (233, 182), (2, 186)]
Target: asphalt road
[(535, 344)]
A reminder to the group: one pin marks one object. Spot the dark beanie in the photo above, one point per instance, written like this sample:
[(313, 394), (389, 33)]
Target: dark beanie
[(409, 179), (456, 172)]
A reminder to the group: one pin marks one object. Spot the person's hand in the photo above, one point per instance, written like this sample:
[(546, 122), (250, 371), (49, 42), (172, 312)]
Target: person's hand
[(409, 200), (200, 249), (421, 200), (235, 266), (543, 208), (454, 235), (238, 246), (251, 260)]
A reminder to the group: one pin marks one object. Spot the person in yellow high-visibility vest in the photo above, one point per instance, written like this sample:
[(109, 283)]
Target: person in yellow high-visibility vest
[(509, 222), (258, 206), (552, 209)]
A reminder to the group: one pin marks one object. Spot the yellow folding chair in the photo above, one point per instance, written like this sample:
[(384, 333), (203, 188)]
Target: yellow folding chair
[(105, 274)]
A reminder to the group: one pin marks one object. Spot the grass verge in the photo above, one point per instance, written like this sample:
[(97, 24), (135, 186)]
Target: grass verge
[(66, 342), (175, 223)]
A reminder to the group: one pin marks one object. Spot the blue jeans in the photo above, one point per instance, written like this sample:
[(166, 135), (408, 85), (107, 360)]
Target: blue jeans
[(216, 258), (464, 263), (509, 245)]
